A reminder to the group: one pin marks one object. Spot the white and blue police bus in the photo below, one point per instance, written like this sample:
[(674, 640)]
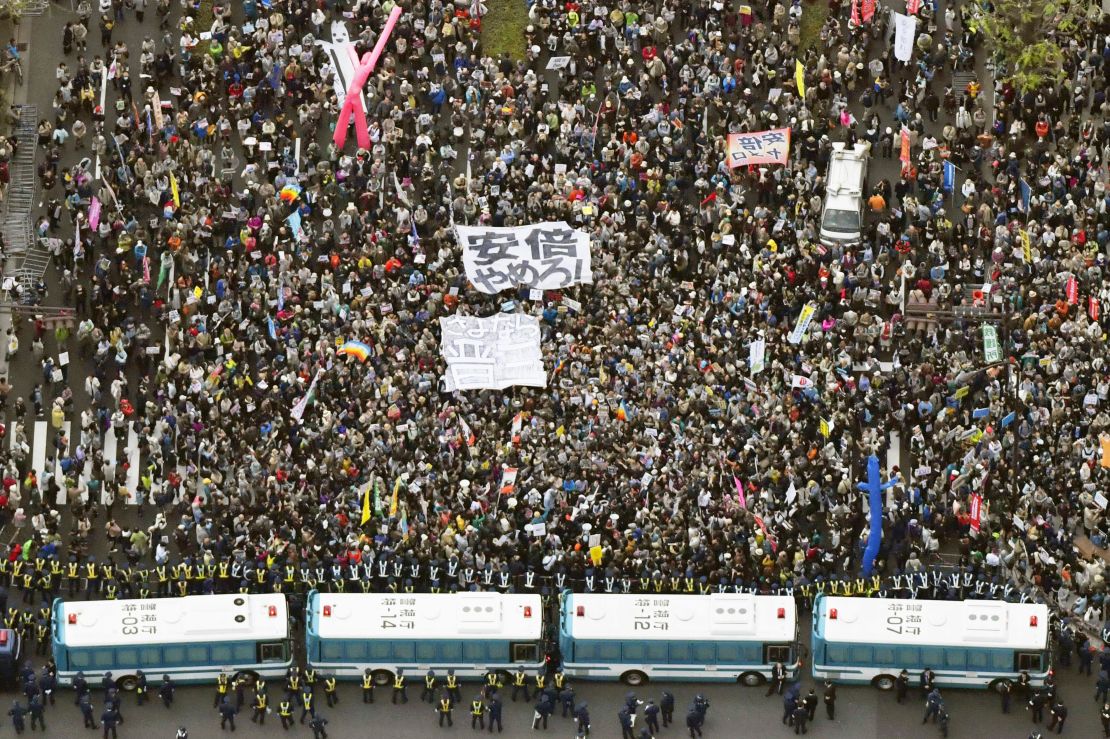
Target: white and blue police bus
[(967, 644), (470, 633), (634, 638), (191, 639)]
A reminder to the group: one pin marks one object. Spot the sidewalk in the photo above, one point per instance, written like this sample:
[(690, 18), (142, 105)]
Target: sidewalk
[(16, 95)]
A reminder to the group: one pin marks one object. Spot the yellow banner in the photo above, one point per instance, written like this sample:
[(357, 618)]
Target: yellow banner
[(800, 79)]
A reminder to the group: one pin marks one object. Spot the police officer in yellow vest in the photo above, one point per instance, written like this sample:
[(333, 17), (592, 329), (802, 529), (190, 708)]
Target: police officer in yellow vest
[(444, 709), (399, 687), (429, 691), (453, 687), (259, 715), (367, 686), (330, 690), (520, 684), (285, 710), (478, 713), (223, 682)]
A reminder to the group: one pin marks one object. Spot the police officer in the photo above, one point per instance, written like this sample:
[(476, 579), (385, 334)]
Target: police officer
[(47, 683), (1004, 691), (18, 712), (789, 703), (666, 707), (399, 687), (544, 709), (520, 684), (444, 709), (541, 682), (1059, 716), (651, 717), (694, 722), (478, 713), (367, 686), (933, 704), (566, 698), (1104, 716), (80, 687), (259, 714), (582, 716), (307, 709), (293, 681), (625, 719), (285, 711), (222, 684), (240, 692), (37, 711), (109, 720), (182, 733), (141, 687), (801, 718), (778, 677), (810, 703), (116, 702), (901, 686), (453, 687), (428, 693), (830, 700), (87, 712), (227, 714), (1036, 706), (494, 708), (330, 690), (166, 691), (942, 721), (318, 725)]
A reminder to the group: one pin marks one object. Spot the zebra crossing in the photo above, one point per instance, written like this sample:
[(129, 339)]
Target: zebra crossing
[(46, 459)]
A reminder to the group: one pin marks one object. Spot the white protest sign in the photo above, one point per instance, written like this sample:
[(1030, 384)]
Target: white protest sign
[(905, 28), (491, 353), (546, 256)]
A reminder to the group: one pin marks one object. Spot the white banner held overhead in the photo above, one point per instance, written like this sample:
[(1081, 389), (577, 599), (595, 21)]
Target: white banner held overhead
[(546, 256), (302, 404), (757, 353), (491, 353), (905, 28), (809, 310)]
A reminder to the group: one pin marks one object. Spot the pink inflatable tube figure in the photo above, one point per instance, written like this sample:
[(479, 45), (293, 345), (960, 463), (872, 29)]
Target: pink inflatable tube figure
[(352, 104)]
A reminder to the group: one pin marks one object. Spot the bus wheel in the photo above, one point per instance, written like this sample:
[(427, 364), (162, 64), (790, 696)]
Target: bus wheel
[(634, 678), (382, 677), (996, 685), (127, 682), (884, 682), (248, 677), (752, 679)]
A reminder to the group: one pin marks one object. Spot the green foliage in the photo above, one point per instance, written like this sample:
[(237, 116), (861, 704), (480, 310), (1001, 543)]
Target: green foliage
[(12, 8), (1028, 38), (503, 28)]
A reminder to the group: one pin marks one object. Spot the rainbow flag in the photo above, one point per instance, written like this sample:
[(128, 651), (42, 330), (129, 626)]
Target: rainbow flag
[(622, 411)]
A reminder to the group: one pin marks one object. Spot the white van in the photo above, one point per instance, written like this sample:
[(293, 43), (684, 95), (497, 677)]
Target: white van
[(842, 217)]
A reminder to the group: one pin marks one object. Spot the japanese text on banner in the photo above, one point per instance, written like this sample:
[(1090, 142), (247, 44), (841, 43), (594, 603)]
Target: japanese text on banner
[(759, 147), (545, 256)]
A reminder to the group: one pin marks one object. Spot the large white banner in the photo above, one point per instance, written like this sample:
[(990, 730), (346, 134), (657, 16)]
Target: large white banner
[(757, 352), (905, 28), (545, 256), (809, 310), (491, 353)]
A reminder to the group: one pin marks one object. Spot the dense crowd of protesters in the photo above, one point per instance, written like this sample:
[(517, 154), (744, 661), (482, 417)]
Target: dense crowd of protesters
[(203, 318)]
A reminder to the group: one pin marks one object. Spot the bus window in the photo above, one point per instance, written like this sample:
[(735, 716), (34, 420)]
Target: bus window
[(272, 651), (150, 657), (705, 653), (427, 651), (680, 652), (525, 652), (174, 655), (79, 660), (474, 651), (244, 654), (908, 657), (197, 655), (127, 657), (656, 652), (633, 651), (380, 650), (884, 656), (354, 650), (1027, 661), (221, 654), (977, 659), (836, 654), (860, 655), (403, 651), (932, 657), (955, 659), (609, 651), (773, 653), (331, 650), (451, 651), (104, 658), (1001, 660), (728, 653)]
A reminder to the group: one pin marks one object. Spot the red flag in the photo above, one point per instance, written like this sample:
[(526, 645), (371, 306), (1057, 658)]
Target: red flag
[(710, 199), (1071, 290), (976, 511), (1092, 307), (912, 6), (904, 155), (868, 10), (855, 13)]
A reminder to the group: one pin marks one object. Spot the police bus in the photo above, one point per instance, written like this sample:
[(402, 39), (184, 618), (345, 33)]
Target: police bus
[(470, 633), (720, 636), (969, 644), (191, 639)]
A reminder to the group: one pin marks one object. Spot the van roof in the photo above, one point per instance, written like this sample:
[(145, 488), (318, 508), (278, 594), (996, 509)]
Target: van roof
[(847, 171)]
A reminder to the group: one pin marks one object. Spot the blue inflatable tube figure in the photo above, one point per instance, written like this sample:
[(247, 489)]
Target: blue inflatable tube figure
[(874, 488)]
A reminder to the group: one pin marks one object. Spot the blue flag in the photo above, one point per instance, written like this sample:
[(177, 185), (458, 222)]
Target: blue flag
[(949, 183), (273, 329), (980, 412), (1008, 419), (1026, 194), (294, 221)]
